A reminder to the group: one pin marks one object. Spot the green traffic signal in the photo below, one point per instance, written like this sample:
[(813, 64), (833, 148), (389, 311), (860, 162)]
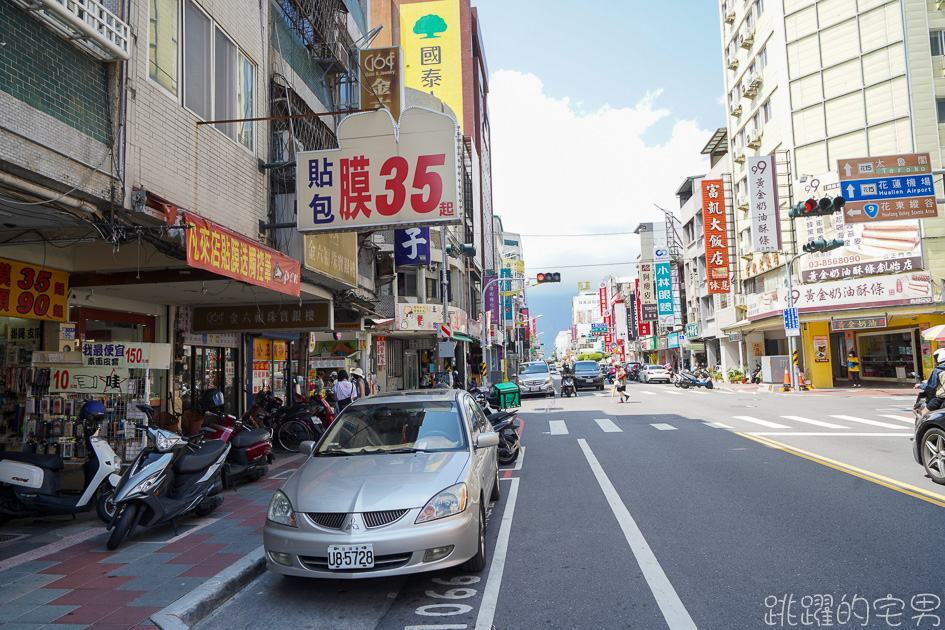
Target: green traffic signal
[(821, 245)]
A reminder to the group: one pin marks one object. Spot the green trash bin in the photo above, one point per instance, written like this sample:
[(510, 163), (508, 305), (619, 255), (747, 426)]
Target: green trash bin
[(508, 394)]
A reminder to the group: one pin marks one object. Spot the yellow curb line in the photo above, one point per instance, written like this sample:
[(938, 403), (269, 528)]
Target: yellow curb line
[(913, 491)]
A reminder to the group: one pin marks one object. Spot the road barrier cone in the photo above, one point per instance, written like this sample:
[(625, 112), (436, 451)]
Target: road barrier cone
[(801, 385), (787, 380)]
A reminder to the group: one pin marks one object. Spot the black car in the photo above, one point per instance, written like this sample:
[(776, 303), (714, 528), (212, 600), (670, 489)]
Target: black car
[(587, 374), (928, 446)]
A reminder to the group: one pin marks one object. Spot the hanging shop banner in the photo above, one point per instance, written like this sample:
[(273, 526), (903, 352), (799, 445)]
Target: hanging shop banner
[(380, 351), (412, 246), (901, 289), (759, 263), (648, 310), (603, 298), (212, 247), (507, 314), (262, 349), (431, 37), (491, 299), (381, 79), (334, 255), (383, 175), (632, 332), (514, 265), (33, 291), (91, 380), (428, 317), (263, 317), (763, 204), (126, 354), (715, 226), (664, 294)]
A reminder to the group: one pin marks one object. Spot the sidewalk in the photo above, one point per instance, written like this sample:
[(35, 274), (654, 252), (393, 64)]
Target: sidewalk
[(866, 390), (77, 583)]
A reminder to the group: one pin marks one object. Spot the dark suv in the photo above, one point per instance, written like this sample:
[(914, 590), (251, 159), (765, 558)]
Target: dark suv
[(588, 374)]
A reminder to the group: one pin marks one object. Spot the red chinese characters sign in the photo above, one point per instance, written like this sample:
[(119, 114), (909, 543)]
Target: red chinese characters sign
[(383, 175), (212, 247), (380, 345), (643, 328), (716, 236), (33, 291), (603, 299)]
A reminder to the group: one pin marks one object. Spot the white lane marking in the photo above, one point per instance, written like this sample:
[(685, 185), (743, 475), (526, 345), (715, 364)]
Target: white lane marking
[(722, 391), (874, 423), (669, 391), (819, 423), (490, 594), (698, 393), (716, 425), (449, 626), (663, 427), (521, 457), (607, 425), (557, 427), (764, 423), (829, 434), (674, 611), (643, 391), (899, 418)]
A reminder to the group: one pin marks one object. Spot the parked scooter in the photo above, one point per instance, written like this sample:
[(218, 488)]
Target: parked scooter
[(250, 449), (31, 483), (168, 479), (756, 374), (505, 423), (686, 380)]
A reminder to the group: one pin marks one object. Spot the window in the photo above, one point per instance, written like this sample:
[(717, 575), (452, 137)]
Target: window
[(940, 109), (766, 110), (937, 39), (756, 121), (218, 82), (431, 288), (762, 58), (162, 43), (407, 283)]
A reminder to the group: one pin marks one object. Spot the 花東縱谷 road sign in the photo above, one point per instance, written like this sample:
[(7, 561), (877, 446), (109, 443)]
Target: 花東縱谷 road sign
[(887, 188)]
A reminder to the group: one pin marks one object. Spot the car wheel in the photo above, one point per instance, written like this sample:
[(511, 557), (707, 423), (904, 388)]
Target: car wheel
[(478, 562), (496, 491), (933, 454)]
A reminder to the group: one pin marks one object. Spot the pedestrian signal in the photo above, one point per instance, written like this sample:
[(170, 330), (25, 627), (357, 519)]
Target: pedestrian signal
[(549, 277)]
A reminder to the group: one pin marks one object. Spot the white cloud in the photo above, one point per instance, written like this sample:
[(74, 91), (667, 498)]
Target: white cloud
[(558, 169)]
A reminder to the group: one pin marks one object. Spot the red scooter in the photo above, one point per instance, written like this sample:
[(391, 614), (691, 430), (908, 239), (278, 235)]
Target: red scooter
[(250, 449)]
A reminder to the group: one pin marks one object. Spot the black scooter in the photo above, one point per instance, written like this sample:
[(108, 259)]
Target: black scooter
[(168, 479), (567, 385), (505, 423)]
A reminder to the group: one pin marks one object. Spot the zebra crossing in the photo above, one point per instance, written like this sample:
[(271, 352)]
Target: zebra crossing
[(784, 425)]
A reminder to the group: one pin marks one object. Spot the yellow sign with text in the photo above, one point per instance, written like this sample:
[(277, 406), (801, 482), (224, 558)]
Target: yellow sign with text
[(33, 291), (433, 51)]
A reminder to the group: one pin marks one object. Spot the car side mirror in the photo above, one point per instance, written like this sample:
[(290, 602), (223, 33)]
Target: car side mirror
[(307, 448), (485, 440)]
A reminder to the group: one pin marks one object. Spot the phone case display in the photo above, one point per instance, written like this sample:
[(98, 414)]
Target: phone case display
[(16, 376)]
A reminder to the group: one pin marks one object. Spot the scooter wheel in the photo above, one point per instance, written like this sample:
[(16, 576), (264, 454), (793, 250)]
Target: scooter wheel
[(125, 519), (105, 506)]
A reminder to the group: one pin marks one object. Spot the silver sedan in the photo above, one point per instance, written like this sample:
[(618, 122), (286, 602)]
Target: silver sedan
[(398, 484)]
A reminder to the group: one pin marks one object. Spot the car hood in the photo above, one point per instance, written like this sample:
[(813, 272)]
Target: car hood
[(369, 483), (586, 373)]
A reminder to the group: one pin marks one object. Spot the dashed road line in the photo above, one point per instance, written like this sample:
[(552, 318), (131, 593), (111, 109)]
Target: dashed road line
[(663, 427), (899, 418), (557, 427), (716, 425)]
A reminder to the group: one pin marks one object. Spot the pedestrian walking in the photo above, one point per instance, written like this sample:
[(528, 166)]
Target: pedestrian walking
[(344, 390), (853, 367), (621, 384), (359, 382)]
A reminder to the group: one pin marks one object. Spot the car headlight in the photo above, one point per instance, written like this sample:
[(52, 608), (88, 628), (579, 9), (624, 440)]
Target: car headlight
[(445, 503), (280, 510), (549, 381)]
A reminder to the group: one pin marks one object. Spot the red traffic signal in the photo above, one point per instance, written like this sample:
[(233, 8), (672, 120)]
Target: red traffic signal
[(548, 277)]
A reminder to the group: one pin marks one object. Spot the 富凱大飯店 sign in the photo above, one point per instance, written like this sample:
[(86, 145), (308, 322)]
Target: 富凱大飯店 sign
[(715, 226)]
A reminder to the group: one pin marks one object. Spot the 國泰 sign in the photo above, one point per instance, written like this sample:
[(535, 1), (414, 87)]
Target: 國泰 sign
[(887, 188), (763, 204), (715, 227), (383, 175)]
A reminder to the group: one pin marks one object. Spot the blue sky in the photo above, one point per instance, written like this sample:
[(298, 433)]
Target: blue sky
[(599, 111)]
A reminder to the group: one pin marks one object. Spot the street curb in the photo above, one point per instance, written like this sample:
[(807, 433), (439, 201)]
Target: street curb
[(199, 603)]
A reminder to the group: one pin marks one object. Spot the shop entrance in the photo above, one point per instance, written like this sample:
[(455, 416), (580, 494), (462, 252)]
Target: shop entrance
[(838, 355), (411, 370), (205, 368), (888, 355)]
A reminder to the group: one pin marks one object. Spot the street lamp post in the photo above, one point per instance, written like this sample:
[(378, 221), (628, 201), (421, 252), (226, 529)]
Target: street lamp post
[(505, 341)]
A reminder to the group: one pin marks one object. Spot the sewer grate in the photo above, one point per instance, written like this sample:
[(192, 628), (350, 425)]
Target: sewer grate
[(5, 538)]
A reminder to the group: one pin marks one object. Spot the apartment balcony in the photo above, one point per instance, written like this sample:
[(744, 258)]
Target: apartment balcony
[(754, 139), (730, 16), (86, 24)]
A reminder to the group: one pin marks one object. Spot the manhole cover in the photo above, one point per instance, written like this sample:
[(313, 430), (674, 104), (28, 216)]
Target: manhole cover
[(5, 538)]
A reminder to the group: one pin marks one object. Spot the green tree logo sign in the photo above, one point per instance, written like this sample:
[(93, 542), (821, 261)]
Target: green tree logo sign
[(430, 25)]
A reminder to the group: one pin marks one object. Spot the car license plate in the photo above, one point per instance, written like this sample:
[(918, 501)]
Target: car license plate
[(351, 556), (534, 389)]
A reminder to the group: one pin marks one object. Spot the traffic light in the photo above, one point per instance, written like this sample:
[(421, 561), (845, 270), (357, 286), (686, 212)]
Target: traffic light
[(803, 209), (820, 245), (549, 277), (814, 208)]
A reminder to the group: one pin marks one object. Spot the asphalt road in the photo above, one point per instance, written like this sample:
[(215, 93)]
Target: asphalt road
[(679, 509)]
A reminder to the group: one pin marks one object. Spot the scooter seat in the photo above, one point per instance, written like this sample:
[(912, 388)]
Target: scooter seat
[(245, 439), (201, 459), (49, 462)]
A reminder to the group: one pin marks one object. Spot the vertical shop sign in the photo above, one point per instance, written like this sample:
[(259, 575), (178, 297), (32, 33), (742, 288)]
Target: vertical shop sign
[(821, 349), (507, 313), (412, 246), (763, 204), (927, 363), (381, 83), (381, 351), (643, 327), (632, 315), (262, 350), (33, 291), (715, 226), (648, 312), (664, 294), (603, 298)]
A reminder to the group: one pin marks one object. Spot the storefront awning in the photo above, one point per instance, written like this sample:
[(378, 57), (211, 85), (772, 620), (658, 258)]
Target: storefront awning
[(463, 337)]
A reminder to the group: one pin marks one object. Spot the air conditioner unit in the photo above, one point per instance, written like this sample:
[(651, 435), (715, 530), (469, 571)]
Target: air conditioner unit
[(732, 62), (747, 38), (740, 158), (736, 109), (730, 17), (754, 138), (751, 85), (740, 300)]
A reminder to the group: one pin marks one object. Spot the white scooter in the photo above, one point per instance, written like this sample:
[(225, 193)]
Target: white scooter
[(30, 483)]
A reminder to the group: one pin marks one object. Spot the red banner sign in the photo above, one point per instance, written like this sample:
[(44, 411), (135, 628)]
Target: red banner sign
[(381, 351), (603, 298), (716, 236), (213, 247), (643, 328)]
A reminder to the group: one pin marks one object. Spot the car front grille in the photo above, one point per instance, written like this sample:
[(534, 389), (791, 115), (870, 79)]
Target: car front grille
[(334, 520), (381, 563)]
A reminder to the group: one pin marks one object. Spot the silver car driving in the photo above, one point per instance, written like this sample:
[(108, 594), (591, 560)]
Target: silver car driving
[(398, 484)]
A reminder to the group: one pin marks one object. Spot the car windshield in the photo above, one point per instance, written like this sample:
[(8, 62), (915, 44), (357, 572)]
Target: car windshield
[(655, 367), (534, 368), (395, 427), (586, 366)]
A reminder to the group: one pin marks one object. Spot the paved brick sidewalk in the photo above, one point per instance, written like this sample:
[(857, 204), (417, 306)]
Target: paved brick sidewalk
[(83, 585)]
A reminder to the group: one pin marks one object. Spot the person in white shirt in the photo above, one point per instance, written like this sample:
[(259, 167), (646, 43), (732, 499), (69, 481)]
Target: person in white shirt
[(345, 391)]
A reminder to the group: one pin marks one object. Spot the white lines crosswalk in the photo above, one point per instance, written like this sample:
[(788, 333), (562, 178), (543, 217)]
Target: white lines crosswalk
[(819, 423), (764, 423), (557, 427), (607, 425), (899, 418), (874, 423), (663, 427)]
